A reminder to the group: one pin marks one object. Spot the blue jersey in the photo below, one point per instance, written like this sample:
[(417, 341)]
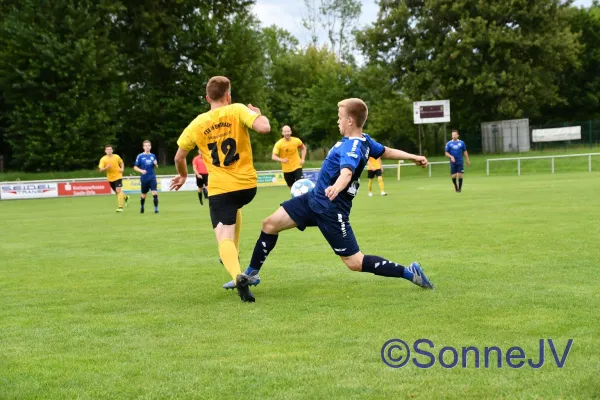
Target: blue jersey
[(146, 162), (456, 150), (352, 153)]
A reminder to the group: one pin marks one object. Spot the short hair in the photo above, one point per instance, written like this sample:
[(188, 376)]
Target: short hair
[(146, 141), (217, 87), (107, 146), (454, 130), (355, 108)]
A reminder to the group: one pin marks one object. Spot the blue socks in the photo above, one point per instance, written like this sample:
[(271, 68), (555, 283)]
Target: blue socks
[(265, 243), (382, 267)]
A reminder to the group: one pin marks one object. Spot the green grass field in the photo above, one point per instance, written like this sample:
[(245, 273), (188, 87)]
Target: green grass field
[(95, 304)]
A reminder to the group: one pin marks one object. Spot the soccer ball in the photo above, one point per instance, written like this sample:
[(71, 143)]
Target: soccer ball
[(301, 187)]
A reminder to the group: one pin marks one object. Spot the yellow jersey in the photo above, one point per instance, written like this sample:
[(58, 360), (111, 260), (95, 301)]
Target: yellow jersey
[(374, 164), (223, 139), (114, 172), (288, 149)]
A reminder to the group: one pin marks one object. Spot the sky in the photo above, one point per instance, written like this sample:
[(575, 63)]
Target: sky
[(288, 14)]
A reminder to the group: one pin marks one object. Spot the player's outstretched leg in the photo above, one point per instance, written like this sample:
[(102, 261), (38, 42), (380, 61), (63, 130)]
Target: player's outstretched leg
[(382, 267), (272, 225)]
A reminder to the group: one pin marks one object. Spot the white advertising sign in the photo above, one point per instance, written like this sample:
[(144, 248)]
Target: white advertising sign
[(556, 134), (16, 190)]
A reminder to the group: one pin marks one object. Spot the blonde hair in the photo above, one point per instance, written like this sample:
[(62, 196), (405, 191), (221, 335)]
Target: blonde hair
[(356, 109)]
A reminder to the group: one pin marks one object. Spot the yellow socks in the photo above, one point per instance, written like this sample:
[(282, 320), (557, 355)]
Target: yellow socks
[(380, 181), (238, 229), (121, 199), (229, 256), (370, 185)]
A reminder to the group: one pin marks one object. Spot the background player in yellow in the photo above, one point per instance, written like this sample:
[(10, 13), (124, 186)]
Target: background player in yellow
[(114, 166), (375, 169), (286, 152), (222, 137)]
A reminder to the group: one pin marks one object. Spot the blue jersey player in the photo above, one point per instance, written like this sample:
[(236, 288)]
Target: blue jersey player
[(145, 164), (455, 149), (328, 205)]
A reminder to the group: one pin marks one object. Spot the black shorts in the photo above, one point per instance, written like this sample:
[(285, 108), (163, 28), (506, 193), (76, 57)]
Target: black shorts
[(457, 168), (148, 185), (373, 174), (116, 184), (334, 226), (203, 180), (224, 207), (291, 177)]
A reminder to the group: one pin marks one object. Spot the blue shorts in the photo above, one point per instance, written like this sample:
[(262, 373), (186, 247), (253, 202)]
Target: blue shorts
[(457, 168), (334, 226), (148, 185)]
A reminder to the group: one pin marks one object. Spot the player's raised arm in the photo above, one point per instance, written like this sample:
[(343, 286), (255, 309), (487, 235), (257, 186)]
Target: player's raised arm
[(395, 154), (261, 124)]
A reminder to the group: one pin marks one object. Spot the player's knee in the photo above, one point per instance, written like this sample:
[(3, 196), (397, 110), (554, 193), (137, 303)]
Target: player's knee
[(353, 263), (268, 225)]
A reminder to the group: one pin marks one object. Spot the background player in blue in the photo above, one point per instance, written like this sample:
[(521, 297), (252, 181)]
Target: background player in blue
[(455, 149), (145, 164), (328, 205)]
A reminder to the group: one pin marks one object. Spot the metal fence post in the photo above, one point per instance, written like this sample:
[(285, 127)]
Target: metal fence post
[(552, 164), (590, 163), (487, 167), (519, 167), (429, 170)]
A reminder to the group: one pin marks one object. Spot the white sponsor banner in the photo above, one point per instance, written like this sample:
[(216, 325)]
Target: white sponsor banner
[(189, 185), (16, 190), (556, 134)]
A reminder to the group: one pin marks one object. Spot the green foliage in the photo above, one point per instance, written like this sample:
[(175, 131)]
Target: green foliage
[(580, 87), (60, 81), (492, 59)]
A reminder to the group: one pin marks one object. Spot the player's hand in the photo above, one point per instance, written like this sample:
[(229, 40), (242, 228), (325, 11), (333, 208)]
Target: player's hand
[(143, 171), (452, 159), (255, 109), (177, 182), (420, 161), (468, 162), (284, 160), (301, 162), (331, 192)]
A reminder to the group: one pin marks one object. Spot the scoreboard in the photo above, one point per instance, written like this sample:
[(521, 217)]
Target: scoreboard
[(431, 112)]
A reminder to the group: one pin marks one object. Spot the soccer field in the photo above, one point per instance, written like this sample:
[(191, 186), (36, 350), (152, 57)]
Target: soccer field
[(95, 304)]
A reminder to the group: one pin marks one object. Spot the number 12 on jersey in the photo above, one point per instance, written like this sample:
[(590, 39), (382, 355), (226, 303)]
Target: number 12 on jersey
[(228, 148)]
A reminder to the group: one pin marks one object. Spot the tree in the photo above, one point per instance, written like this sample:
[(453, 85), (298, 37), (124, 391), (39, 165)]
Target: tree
[(493, 60), (60, 82), (580, 87), (172, 51), (339, 18)]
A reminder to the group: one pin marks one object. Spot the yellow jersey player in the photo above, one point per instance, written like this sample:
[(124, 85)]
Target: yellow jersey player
[(286, 152), (222, 137), (114, 166), (375, 169)]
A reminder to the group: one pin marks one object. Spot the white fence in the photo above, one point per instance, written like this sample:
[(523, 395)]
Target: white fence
[(518, 159), (402, 164)]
